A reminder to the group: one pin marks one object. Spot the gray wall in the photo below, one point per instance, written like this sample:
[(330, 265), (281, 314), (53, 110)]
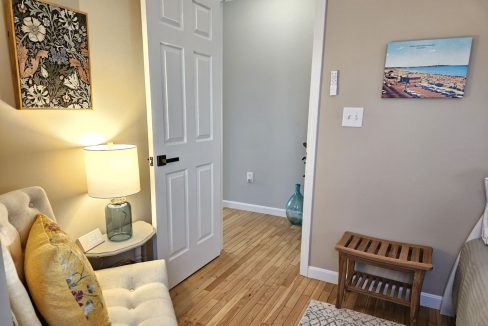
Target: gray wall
[(415, 171), (267, 60)]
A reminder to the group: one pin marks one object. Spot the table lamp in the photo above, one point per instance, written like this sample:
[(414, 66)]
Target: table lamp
[(112, 171)]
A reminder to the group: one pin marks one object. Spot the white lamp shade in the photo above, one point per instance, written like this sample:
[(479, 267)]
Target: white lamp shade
[(112, 171)]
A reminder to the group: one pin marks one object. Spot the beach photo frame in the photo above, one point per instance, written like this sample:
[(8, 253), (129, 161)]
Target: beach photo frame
[(435, 68), (50, 56)]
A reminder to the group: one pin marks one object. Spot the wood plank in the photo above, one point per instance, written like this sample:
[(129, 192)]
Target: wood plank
[(310, 288), (261, 316), (244, 301), (389, 253), (390, 241), (404, 252), (393, 251), (381, 296), (249, 313), (275, 312), (351, 299), (364, 243), (396, 290), (191, 317), (373, 247), (354, 243), (318, 291), (362, 281), (416, 254), (356, 279), (388, 262), (327, 293), (383, 248), (427, 259), (298, 311), (344, 239)]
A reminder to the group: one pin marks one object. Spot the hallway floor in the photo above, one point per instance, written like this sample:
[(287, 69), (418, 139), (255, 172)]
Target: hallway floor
[(255, 281)]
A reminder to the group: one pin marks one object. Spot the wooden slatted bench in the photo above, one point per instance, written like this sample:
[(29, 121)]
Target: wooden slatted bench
[(403, 257)]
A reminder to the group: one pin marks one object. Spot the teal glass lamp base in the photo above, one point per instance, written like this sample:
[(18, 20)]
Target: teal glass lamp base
[(118, 217)]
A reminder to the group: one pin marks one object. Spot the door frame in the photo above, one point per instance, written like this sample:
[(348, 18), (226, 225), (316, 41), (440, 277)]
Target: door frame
[(312, 131), (150, 143)]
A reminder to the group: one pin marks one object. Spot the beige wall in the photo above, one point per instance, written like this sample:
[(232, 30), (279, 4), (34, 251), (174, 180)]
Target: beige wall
[(45, 148), (414, 171)]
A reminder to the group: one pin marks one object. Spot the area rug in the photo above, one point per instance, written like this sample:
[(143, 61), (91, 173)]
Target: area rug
[(324, 314)]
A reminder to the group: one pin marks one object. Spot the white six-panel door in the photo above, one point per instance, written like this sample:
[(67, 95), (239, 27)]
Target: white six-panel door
[(183, 41)]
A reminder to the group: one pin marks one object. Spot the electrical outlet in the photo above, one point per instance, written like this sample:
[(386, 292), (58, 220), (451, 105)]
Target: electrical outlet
[(250, 177)]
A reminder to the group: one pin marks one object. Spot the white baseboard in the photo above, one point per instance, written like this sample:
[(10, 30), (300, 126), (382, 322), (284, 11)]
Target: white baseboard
[(323, 274), (426, 299), (254, 208), (430, 300)]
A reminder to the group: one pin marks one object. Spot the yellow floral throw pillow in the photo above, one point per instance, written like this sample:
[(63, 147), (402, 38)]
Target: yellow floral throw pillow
[(60, 278)]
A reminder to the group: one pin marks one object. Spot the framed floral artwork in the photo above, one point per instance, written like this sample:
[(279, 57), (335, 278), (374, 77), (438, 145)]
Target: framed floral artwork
[(50, 56)]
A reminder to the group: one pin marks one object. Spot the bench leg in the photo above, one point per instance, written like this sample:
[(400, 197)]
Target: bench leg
[(342, 280), (418, 279), (351, 266)]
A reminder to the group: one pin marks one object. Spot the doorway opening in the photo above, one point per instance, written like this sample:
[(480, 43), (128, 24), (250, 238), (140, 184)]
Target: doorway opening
[(272, 68), (259, 58)]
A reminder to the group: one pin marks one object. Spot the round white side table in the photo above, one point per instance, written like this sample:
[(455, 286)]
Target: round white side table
[(142, 232)]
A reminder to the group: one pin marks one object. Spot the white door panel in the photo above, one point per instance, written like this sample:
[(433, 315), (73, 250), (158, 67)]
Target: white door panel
[(177, 213), (202, 24), (205, 202), (184, 65), (172, 12), (173, 95), (203, 97)]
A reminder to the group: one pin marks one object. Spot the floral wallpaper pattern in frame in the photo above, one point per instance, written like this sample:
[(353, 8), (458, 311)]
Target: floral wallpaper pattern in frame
[(50, 56)]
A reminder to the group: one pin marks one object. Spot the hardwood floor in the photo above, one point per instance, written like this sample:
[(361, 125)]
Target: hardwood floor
[(255, 281)]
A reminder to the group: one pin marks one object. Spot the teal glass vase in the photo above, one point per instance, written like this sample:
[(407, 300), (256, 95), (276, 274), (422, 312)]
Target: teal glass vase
[(294, 207)]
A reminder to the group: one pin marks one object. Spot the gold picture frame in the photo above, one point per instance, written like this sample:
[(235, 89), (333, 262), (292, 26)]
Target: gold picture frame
[(50, 56)]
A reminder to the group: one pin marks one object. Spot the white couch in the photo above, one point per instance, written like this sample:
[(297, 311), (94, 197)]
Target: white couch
[(135, 294)]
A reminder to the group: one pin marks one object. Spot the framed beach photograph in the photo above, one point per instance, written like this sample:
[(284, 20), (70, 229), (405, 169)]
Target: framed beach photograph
[(436, 68), (50, 56)]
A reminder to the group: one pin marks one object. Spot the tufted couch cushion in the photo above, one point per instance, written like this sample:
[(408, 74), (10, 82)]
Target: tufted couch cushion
[(137, 294), (18, 210)]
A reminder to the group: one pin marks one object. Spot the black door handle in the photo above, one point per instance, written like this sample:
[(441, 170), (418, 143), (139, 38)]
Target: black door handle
[(162, 160)]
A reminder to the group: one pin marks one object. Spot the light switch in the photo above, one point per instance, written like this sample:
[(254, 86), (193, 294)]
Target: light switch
[(352, 117), (334, 82)]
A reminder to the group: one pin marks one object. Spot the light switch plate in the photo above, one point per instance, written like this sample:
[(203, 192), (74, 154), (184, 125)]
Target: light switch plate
[(352, 117), (334, 82), (90, 240)]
